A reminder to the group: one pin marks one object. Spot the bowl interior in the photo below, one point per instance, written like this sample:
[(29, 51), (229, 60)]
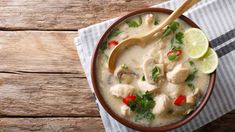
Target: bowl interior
[(126, 122)]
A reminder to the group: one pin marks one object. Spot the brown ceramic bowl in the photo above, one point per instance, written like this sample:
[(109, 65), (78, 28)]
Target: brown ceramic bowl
[(126, 122)]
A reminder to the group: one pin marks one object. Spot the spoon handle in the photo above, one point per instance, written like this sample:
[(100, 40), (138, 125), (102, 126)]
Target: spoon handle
[(178, 12)]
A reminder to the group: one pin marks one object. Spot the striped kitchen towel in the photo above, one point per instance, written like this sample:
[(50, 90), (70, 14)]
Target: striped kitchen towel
[(216, 18)]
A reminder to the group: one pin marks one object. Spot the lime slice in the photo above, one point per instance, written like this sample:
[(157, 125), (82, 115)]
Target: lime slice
[(208, 63), (196, 43)]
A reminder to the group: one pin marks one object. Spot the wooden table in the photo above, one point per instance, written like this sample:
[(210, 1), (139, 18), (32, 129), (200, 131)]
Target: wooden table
[(42, 84)]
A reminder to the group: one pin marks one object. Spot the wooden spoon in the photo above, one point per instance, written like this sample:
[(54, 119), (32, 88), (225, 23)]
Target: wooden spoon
[(142, 40)]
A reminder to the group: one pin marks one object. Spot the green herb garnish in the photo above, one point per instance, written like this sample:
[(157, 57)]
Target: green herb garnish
[(115, 32), (177, 41), (171, 28), (172, 56), (156, 20), (155, 73), (143, 78), (179, 38), (133, 23), (191, 76), (191, 63), (192, 86), (143, 106)]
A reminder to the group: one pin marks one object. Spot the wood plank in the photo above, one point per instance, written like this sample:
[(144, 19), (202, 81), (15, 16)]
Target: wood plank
[(41, 75), (30, 94), (223, 124), (64, 14), (39, 51), (51, 124)]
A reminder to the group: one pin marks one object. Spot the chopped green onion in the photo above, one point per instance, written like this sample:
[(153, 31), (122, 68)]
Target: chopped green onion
[(143, 78)]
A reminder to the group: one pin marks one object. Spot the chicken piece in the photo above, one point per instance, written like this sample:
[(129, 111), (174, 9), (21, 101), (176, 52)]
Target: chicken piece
[(122, 90), (124, 36), (169, 65), (174, 90), (162, 104), (125, 110), (178, 75), (148, 66), (157, 54), (124, 74), (149, 19), (145, 86), (191, 99)]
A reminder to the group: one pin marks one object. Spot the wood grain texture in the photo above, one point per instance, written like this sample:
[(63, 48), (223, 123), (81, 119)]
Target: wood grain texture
[(40, 75), (51, 125), (39, 51), (64, 14)]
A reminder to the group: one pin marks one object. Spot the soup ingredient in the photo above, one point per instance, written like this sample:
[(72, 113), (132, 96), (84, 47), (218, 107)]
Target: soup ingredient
[(196, 43), (178, 74), (171, 28), (173, 54), (143, 106), (143, 78), (191, 100), (173, 90), (149, 19), (180, 100), (122, 90), (115, 32), (156, 21), (125, 110), (112, 43), (145, 86), (162, 104), (124, 74), (134, 23), (155, 72), (208, 63), (129, 98), (177, 41)]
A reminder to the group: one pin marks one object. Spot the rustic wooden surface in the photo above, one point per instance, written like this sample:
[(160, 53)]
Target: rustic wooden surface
[(42, 84)]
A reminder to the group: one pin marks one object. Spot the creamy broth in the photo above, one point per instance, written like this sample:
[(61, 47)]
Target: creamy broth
[(134, 56)]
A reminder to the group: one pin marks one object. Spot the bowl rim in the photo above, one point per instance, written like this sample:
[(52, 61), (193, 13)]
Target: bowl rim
[(125, 121)]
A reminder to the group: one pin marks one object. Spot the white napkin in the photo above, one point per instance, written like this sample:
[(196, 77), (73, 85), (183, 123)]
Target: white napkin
[(216, 18)]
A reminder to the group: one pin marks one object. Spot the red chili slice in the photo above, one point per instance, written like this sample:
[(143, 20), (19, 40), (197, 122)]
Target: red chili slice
[(180, 100), (112, 43), (129, 98), (178, 52)]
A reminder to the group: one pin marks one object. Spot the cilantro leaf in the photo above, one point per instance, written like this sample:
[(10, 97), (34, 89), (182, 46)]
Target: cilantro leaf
[(171, 28), (155, 73), (192, 86), (115, 32), (143, 106), (191, 76), (103, 46), (133, 23), (156, 20), (179, 37), (143, 78)]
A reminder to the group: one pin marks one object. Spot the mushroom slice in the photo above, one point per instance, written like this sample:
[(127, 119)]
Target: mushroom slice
[(122, 90), (148, 66), (125, 110), (162, 104), (173, 90), (145, 86), (178, 75), (124, 74)]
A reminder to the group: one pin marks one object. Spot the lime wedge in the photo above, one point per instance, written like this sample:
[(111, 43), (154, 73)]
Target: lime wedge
[(208, 63), (196, 43)]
